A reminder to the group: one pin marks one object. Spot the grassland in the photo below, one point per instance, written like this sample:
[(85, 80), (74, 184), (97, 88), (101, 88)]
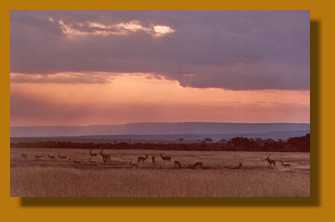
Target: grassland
[(74, 172)]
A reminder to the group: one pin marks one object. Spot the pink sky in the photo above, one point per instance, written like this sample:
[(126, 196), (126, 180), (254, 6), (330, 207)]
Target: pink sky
[(111, 98)]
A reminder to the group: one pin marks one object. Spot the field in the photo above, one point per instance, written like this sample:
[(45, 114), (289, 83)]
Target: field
[(40, 172)]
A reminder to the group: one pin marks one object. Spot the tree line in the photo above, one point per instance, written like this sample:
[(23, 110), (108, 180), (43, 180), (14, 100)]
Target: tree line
[(293, 144)]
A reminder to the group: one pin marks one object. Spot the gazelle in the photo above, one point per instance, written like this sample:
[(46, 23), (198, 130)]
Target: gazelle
[(270, 161), (62, 157), (24, 155), (38, 156), (133, 165), (177, 164), (285, 164), (105, 156), (77, 161), (197, 164), (142, 158), (92, 154), (165, 157), (51, 156), (239, 166), (153, 160)]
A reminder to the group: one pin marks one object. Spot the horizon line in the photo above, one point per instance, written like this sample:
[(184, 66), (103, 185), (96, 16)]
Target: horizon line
[(176, 122)]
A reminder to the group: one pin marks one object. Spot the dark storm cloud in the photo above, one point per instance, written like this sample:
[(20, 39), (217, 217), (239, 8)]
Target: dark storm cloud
[(224, 49)]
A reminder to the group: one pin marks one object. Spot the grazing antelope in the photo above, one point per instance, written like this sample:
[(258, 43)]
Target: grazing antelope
[(238, 167), (38, 156), (177, 164), (92, 154), (197, 165), (270, 161), (62, 157), (142, 158), (133, 165), (24, 155), (77, 161), (105, 156), (165, 157), (285, 164), (51, 156)]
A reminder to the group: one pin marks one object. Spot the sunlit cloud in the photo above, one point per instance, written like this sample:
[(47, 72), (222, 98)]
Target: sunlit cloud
[(90, 28), (146, 97), (162, 30), (63, 78)]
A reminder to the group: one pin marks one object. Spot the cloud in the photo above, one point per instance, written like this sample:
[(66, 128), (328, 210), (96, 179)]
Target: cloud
[(239, 50), (89, 28), (66, 78)]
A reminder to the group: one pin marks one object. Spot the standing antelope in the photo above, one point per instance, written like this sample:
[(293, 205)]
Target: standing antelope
[(153, 160), (105, 156), (92, 155), (177, 164), (270, 161)]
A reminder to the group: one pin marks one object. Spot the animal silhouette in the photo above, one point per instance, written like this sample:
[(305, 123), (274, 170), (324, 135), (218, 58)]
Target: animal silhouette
[(24, 155), (285, 164), (105, 156), (153, 160), (92, 154), (142, 158), (165, 157), (177, 164), (133, 165), (38, 156), (62, 157), (197, 164), (240, 165), (51, 156), (270, 161)]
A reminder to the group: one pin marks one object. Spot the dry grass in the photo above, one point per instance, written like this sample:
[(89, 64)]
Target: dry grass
[(58, 179)]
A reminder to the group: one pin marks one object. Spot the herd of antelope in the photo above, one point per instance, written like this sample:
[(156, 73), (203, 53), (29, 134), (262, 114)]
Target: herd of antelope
[(106, 157), (165, 158)]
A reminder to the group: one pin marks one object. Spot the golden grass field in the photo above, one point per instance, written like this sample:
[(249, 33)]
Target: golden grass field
[(74, 172)]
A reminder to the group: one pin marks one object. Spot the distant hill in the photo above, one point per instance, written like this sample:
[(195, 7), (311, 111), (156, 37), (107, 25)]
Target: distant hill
[(159, 131)]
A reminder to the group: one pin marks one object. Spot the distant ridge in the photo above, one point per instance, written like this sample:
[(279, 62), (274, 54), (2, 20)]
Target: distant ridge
[(177, 128)]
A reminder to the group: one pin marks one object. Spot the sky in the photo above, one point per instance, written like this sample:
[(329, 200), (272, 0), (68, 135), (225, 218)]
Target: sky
[(112, 67)]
